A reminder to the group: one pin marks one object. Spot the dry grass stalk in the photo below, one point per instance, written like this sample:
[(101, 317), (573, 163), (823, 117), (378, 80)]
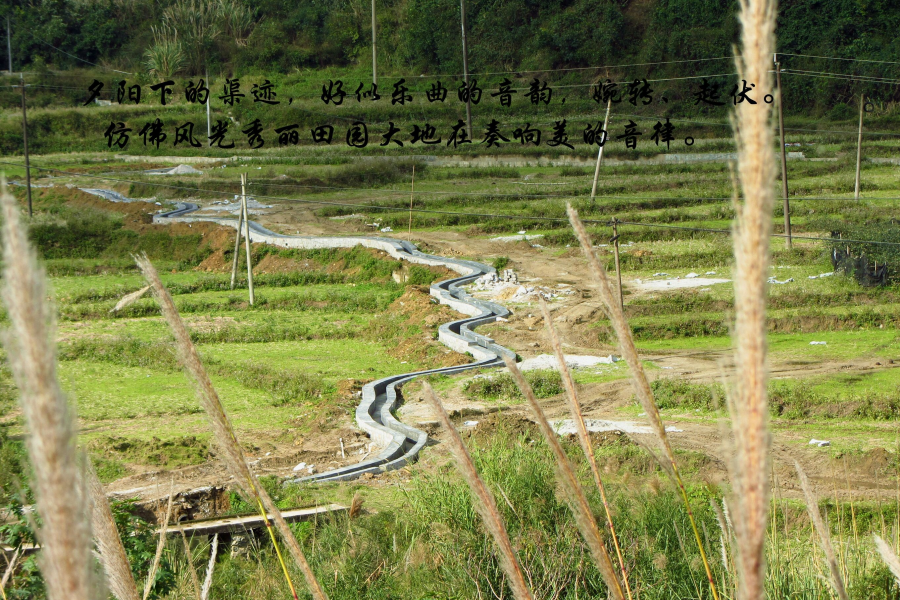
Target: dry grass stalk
[(62, 500), (583, 437), (207, 581), (812, 507), (10, 567), (189, 557), (355, 506), (224, 435), (889, 557), (638, 378), (584, 517), (752, 231), (130, 299), (484, 501), (119, 577), (161, 544)]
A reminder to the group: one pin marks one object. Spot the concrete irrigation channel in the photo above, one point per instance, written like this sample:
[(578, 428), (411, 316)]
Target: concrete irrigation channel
[(401, 442)]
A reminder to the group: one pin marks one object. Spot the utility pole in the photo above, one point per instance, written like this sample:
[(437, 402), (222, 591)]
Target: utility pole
[(9, 44), (237, 244), (25, 142), (412, 191), (374, 53), (247, 233), (465, 49), (615, 242), (862, 104), (600, 152), (784, 174)]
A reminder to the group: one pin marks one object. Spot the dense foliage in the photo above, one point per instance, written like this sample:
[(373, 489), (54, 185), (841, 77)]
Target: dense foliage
[(423, 36)]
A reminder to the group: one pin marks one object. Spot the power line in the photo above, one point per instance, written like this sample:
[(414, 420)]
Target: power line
[(884, 62), (480, 215), (78, 58), (840, 76), (418, 192), (598, 68)]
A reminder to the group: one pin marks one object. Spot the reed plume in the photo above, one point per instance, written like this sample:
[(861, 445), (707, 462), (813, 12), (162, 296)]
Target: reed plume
[(224, 434), (484, 501), (752, 232), (639, 380), (889, 557), (59, 485), (581, 428), (116, 565), (584, 517), (812, 507)]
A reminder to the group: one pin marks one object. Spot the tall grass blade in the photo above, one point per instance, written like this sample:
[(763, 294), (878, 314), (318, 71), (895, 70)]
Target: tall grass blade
[(119, 577), (224, 435), (189, 557), (638, 379), (584, 518), (10, 568), (62, 499), (161, 544), (583, 437), (812, 507), (207, 581), (484, 501)]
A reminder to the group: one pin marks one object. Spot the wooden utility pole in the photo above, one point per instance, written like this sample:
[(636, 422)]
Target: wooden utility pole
[(247, 234), (862, 105), (465, 49), (25, 142), (374, 53), (784, 174), (237, 244), (600, 152), (9, 44), (615, 242), (412, 191)]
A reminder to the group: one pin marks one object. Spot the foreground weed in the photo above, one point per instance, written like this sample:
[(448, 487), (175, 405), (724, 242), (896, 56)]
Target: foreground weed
[(224, 433)]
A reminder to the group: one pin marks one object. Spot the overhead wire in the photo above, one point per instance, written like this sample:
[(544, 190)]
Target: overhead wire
[(886, 62), (417, 192), (479, 215), (79, 58)]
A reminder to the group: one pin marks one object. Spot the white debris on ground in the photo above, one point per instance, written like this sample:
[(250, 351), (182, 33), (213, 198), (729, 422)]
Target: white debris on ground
[(573, 361), (819, 443), (818, 343), (517, 238), (386, 230), (777, 282), (253, 205), (470, 423), (107, 194), (179, 170), (691, 280), (821, 275), (506, 287), (345, 217), (304, 467), (567, 427)]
